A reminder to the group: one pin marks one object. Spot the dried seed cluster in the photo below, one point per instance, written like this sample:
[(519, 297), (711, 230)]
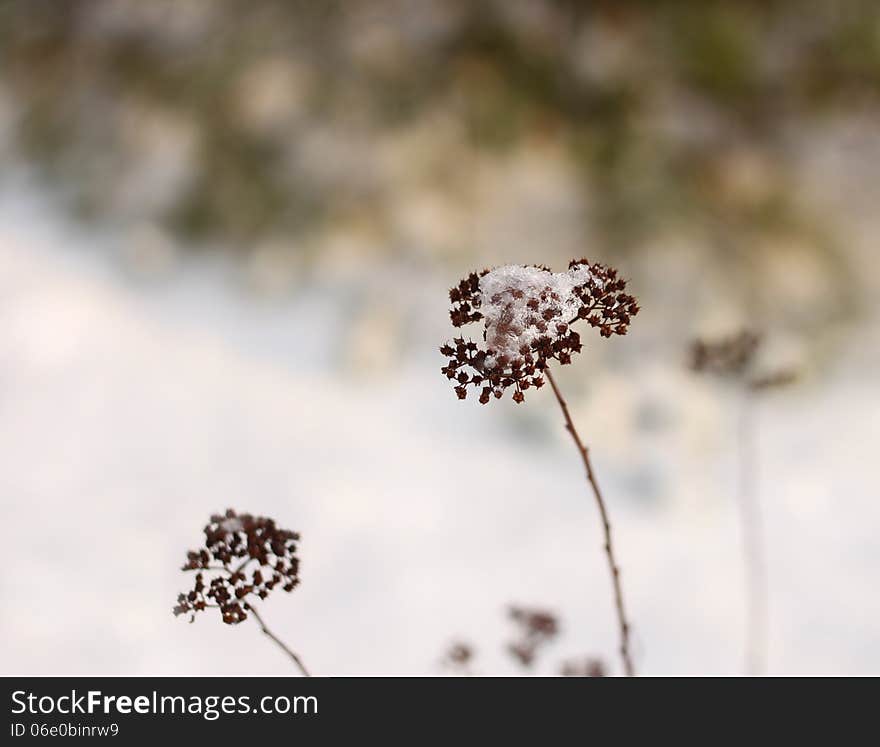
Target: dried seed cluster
[(734, 358), (243, 555), (728, 356), (536, 628), (589, 667), (460, 653), (527, 314), (459, 657)]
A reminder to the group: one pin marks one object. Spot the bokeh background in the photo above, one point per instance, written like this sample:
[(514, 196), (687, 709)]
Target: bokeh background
[(226, 235)]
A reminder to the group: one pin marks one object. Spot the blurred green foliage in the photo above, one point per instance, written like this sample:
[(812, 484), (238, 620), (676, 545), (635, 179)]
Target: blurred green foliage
[(671, 113)]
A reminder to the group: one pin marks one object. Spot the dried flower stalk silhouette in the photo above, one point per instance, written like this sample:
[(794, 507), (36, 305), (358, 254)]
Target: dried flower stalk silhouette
[(528, 313), (244, 556), (732, 359)]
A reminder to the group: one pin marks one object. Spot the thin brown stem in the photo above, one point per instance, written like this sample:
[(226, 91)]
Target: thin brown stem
[(277, 640), (606, 526), (753, 544)]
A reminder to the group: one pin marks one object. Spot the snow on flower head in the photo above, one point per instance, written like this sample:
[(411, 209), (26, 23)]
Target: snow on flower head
[(527, 314), (231, 525)]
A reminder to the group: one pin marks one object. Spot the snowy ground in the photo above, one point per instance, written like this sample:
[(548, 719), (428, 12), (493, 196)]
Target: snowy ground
[(129, 412)]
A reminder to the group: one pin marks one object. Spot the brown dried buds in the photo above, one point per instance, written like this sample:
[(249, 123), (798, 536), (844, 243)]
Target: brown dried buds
[(588, 667), (527, 314), (536, 628), (734, 358), (728, 356), (243, 555), (459, 657)]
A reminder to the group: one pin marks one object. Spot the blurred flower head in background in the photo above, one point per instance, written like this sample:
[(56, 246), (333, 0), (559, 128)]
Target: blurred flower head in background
[(729, 356), (734, 358), (584, 667), (536, 628)]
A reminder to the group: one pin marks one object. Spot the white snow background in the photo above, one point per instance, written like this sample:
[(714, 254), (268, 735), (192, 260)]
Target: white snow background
[(131, 411)]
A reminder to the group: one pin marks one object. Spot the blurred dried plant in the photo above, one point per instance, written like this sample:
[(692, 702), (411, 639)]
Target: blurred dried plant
[(244, 556), (536, 628), (587, 667), (734, 359), (729, 356), (458, 657), (527, 313)]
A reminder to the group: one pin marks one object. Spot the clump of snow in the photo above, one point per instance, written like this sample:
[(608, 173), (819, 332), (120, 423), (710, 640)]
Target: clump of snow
[(520, 304), (231, 525)]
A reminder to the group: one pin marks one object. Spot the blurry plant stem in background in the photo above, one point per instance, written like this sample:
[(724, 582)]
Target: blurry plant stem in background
[(278, 641), (606, 526), (754, 564)]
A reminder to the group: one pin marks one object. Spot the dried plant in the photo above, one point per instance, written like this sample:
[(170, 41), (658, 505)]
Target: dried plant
[(734, 359), (536, 628), (730, 357), (527, 315), (459, 657), (588, 667), (243, 557)]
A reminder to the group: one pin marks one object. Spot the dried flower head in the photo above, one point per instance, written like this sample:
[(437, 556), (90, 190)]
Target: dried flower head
[(459, 656), (588, 667), (243, 555), (536, 628), (734, 358), (773, 380), (729, 356), (527, 314)]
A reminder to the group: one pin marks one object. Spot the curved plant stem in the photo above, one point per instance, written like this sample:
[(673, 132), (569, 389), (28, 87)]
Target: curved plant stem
[(606, 526), (281, 644), (752, 543)]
